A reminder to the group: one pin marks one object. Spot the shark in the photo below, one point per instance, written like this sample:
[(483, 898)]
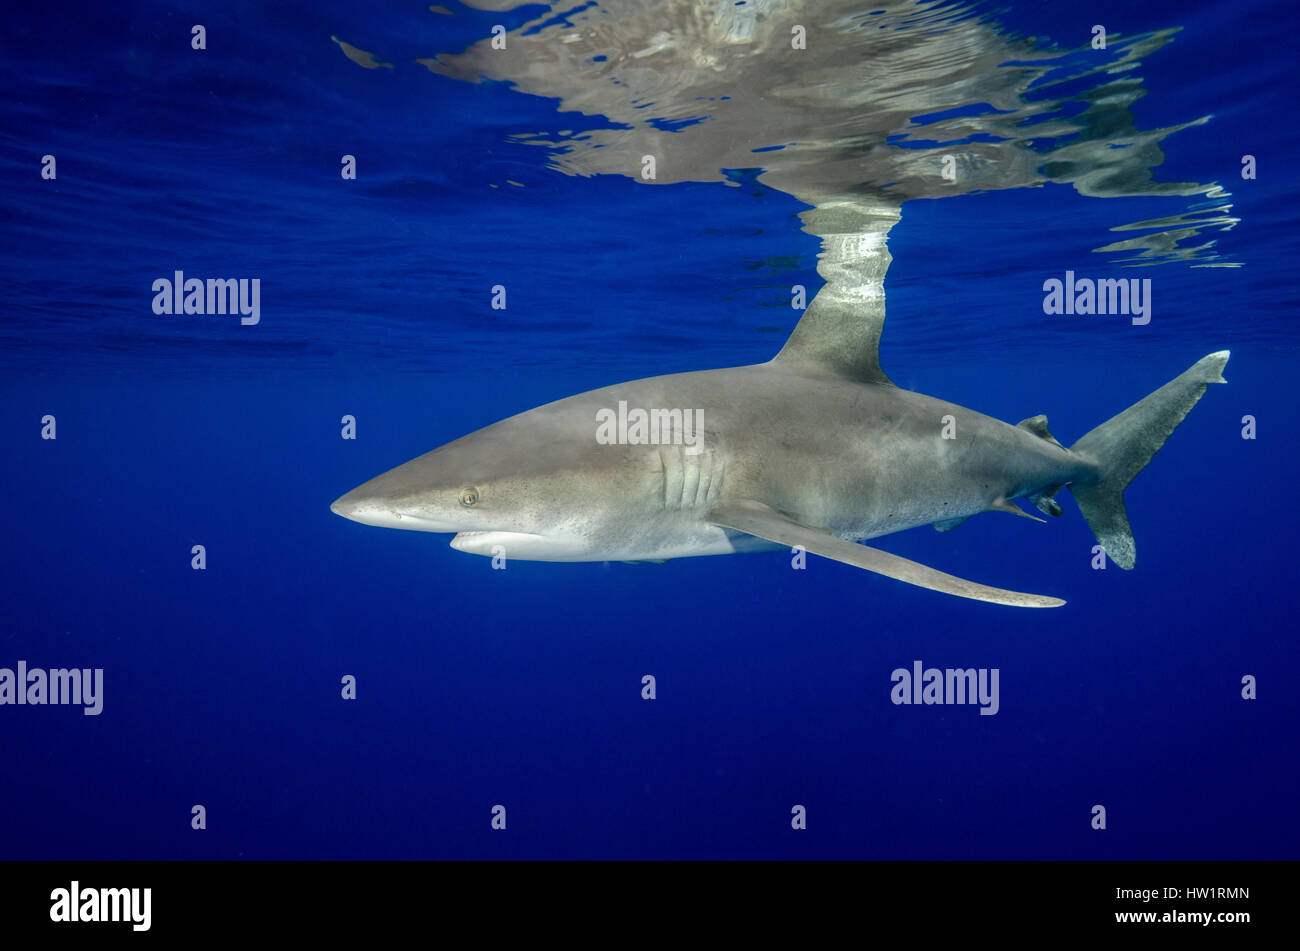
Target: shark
[(815, 450)]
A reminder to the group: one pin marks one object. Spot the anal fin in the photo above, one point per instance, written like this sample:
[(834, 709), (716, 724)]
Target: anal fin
[(1045, 503)]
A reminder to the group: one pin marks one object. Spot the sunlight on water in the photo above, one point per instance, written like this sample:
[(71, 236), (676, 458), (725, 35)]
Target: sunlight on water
[(867, 105)]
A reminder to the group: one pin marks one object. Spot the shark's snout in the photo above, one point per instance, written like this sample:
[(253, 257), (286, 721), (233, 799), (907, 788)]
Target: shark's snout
[(365, 507), (359, 507)]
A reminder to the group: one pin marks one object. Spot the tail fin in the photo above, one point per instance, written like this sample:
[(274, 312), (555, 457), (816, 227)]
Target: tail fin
[(1123, 445)]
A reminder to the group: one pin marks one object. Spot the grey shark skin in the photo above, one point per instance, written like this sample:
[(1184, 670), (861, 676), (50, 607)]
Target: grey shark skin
[(816, 448)]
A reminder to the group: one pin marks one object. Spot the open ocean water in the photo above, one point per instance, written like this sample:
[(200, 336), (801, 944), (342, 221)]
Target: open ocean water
[(522, 688)]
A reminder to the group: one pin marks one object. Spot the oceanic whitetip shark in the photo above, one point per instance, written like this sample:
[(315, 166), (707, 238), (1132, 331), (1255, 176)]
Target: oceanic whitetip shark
[(815, 448)]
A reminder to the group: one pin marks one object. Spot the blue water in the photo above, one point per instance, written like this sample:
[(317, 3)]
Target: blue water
[(522, 687)]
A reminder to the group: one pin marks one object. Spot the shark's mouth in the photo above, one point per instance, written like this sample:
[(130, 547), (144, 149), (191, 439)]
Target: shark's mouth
[(474, 538), (522, 545)]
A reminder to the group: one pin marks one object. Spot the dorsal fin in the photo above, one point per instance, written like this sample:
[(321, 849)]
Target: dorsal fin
[(1038, 426), (839, 337), (840, 331)]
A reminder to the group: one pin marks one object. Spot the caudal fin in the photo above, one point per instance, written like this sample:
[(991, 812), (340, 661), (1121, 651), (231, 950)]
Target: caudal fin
[(1123, 445)]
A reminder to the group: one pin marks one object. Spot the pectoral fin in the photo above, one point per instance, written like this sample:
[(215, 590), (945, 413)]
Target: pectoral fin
[(759, 520)]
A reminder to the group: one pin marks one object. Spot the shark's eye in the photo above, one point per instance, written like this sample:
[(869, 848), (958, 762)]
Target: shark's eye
[(469, 497)]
